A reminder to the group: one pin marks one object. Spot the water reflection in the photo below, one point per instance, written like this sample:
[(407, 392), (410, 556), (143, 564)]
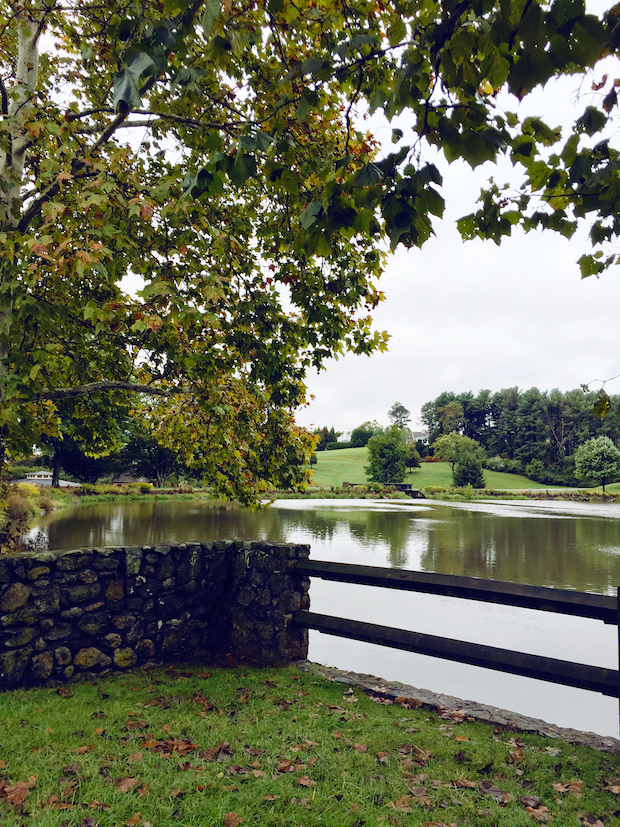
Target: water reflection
[(569, 545)]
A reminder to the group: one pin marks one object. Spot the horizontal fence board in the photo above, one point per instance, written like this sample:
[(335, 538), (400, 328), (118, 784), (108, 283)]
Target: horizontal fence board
[(581, 676), (562, 601)]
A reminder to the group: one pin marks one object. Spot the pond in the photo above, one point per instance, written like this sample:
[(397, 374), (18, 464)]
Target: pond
[(542, 543)]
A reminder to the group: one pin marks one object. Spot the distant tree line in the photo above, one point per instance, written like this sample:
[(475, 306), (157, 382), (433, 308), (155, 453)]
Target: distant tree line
[(530, 432)]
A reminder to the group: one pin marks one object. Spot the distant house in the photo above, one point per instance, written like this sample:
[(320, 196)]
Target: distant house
[(44, 479), (346, 437), (419, 435), (39, 477)]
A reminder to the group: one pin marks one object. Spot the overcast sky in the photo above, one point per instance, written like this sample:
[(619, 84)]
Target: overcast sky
[(470, 315)]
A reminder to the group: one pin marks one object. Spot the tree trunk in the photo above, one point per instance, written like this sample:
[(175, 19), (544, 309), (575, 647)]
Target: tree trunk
[(56, 469), (12, 167)]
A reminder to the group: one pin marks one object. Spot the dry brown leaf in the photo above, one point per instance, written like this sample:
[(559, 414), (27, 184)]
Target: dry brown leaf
[(575, 786), (439, 824), (81, 750), (98, 805), (232, 820), (383, 757), (135, 757), (541, 814), (408, 702), (125, 785), (133, 820), (401, 805), (360, 747), (175, 792), (271, 797), (464, 783), (18, 793), (305, 781)]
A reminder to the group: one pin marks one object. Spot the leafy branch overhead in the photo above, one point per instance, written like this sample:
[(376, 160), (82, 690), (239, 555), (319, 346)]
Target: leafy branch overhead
[(191, 200)]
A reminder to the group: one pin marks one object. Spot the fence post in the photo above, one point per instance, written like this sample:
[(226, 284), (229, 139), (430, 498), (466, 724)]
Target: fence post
[(618, 630)]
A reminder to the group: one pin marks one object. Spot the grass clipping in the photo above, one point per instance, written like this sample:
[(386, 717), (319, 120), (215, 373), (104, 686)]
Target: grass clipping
[(224, 748)]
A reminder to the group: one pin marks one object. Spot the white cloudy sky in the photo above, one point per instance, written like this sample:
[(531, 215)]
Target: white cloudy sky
[(471, 315)]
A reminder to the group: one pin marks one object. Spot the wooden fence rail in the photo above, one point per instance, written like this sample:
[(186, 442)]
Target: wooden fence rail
[(566, 673)]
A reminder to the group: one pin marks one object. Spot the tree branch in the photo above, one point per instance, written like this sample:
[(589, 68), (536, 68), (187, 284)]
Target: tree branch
[(58, 394)]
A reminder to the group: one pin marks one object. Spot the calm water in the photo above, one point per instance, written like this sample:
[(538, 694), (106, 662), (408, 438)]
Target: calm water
[(564, 545)]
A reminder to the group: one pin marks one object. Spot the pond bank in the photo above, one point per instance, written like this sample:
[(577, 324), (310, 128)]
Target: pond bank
[(390, 690)]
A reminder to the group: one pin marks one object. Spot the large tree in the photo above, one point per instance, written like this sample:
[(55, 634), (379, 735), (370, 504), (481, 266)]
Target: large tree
[(598, 461), (387, 456), (190, 205)]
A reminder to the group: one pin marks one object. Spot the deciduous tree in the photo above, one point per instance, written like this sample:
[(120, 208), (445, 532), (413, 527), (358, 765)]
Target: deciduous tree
[(214, 155), (598, 461), (458, 450), (387, 455)]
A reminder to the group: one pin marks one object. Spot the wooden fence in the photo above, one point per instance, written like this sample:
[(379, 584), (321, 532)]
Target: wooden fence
[(566, 673)]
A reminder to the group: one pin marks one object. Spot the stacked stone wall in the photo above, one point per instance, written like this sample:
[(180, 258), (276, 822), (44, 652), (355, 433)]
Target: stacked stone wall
[(109, 609)]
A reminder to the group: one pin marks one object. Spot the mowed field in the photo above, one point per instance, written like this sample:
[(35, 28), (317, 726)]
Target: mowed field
[(347, 465)]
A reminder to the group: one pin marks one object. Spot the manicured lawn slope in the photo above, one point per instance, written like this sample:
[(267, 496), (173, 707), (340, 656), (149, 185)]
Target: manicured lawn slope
[(347, 465), (277, 748)]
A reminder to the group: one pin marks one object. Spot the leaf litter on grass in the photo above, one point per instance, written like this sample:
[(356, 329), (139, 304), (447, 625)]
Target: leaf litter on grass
[(224, 747)]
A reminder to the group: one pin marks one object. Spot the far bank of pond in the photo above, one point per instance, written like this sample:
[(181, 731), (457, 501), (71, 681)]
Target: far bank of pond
[(558, 544)]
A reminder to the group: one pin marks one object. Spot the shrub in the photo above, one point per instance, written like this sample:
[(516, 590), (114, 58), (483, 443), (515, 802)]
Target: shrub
[(18, 507), (434, 489), (334, 446), (45, 501), (28, 489), (495, 464), (469, 473)]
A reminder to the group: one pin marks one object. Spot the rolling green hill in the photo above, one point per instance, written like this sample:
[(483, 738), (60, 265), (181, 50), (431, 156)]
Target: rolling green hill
[(347, 465)]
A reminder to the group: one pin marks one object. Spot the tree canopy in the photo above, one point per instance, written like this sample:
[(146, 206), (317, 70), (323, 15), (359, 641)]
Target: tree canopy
[(387, 456), (598, 461), (192, 206)]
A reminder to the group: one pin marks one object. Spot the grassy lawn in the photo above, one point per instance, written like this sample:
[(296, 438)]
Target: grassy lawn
[(347, 465), (277, 748)]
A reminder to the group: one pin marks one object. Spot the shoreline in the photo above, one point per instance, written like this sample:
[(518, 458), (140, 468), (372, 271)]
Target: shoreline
[(388, 691)]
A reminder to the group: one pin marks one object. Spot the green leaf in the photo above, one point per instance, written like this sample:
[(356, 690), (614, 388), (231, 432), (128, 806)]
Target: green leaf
[(367, 176), (209, 15), (310, 214), (127, 83), (602, 405), (589, 266), (592, 120)]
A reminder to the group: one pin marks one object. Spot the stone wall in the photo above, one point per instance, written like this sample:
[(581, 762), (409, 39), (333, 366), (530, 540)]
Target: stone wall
[(110, 609)]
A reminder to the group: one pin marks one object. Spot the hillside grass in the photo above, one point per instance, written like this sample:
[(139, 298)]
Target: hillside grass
[(347, 465), (278, 748)]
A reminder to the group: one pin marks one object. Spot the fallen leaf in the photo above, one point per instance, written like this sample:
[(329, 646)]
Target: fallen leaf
[(134, 820), (360, 747), (125, 785), (575, 787), (464, 783), (401, 804), (305, 781), (271, 797), (383, 757), (176, 793), (408, 702), (495, 793), (81, 750), (232, 820), (135, 757), (98, 805)]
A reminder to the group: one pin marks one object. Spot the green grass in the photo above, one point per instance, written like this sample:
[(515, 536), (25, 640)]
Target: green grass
[(276, 748), (347, 465)]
